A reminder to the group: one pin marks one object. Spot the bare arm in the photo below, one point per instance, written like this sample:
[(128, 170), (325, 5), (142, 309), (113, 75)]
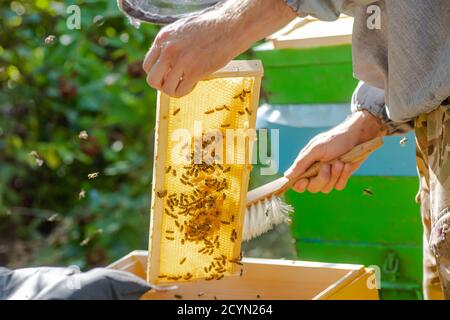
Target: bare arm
[(188, 50)]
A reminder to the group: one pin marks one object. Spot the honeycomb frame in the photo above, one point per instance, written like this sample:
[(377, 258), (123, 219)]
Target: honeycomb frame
[(249, 72)]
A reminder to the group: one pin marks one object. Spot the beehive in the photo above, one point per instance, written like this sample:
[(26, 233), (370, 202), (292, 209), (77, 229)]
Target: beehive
[(201, 171), (267, 279)]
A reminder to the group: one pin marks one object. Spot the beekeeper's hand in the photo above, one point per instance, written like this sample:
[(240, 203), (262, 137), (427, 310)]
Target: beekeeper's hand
[(192, 48), (357, 129)]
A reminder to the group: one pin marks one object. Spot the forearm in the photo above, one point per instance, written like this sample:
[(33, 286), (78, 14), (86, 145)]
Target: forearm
[(365, 126), (253, 20), (371, 99)]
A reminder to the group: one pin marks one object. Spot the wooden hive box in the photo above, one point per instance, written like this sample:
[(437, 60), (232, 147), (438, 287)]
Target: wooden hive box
[(310, 32), (268, 280)]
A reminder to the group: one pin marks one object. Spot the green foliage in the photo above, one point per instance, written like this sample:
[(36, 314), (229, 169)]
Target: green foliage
[(88, 79)]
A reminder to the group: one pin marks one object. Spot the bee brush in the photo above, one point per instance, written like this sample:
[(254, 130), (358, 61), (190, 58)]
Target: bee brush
[(265, 209)]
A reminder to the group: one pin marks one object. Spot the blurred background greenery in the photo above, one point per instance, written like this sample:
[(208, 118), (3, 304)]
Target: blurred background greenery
[(75, 103), (54, 84)]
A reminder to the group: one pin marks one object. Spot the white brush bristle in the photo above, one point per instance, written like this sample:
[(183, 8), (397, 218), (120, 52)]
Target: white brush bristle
[(263, 216)]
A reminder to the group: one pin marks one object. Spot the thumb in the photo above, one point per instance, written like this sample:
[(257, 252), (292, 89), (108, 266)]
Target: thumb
[(305, 159)]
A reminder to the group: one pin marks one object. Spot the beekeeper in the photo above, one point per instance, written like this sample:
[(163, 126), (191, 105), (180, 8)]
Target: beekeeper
[(401, 55)]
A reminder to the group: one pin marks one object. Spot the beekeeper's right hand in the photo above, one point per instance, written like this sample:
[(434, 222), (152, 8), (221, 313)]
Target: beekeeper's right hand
[(330, 145)]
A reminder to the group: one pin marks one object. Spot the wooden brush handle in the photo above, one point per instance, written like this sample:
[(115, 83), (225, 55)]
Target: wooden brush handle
[(281, 185)]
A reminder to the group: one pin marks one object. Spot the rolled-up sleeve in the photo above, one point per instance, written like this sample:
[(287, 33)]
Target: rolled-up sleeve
[(372, 99), (327, 10)]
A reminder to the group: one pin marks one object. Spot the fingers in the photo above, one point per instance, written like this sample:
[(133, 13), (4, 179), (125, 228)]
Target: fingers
[(317, 183), (172, 80), (307, 157), (155, 77), (151, 57), (346, 173), (300, 186), (336, 170), (154, 52), (331, 176), (185, 86)]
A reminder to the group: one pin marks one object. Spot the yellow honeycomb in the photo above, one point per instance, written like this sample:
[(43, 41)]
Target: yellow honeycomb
[(203, 181)]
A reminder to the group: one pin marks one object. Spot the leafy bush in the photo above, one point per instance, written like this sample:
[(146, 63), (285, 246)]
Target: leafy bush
[(54, 84)]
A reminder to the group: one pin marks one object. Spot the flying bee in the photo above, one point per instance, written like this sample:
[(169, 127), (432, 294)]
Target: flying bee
[(367, 192), (403, 141)]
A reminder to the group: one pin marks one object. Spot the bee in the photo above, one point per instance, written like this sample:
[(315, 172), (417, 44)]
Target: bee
[(176, 111), (403, 141), (209, 111), (93, 175), (178, 296), (200, 294), (241, 272), (187, 276), (226, 107), (367, 192), (224, 222), (169, 231), (83, 135), (162, 276), (183, 260), (225, 125), (170, 238), (50, 39), (168, 169), (232, 218), (220, 108), (161, 194), (174, 172), (248, 111), (241, 113)]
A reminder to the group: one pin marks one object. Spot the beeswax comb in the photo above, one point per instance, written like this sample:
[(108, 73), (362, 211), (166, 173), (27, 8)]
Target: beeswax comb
[(202, 159)]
